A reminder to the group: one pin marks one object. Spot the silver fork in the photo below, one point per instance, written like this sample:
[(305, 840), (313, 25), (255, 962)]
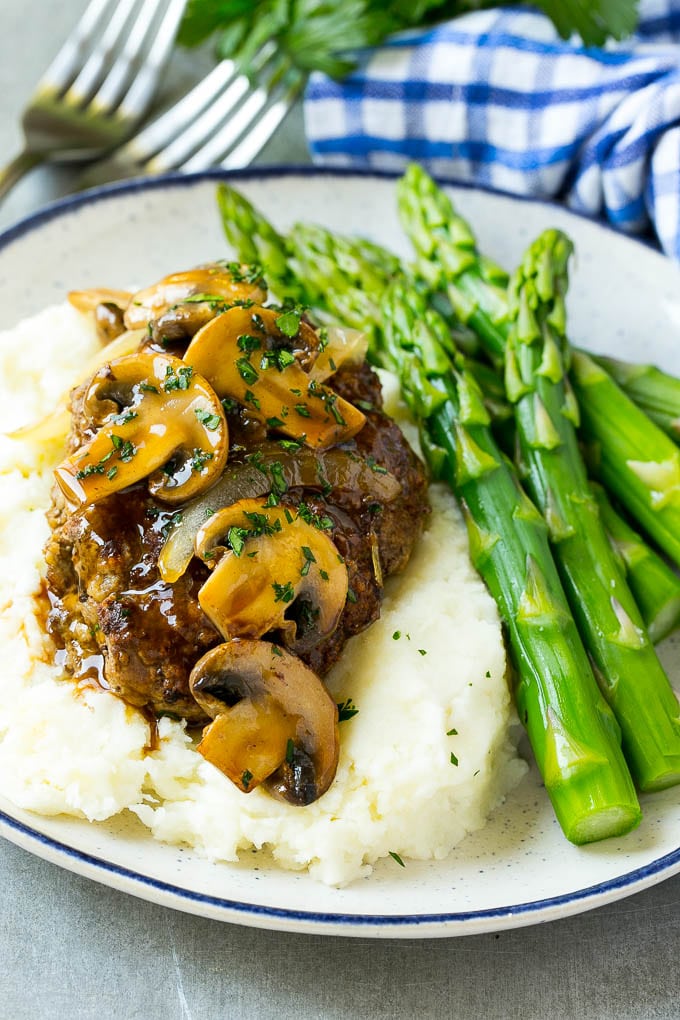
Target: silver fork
[(224, 121), (100, 84)]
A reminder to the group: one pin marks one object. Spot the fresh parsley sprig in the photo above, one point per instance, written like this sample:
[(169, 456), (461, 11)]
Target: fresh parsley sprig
[(324, 35)]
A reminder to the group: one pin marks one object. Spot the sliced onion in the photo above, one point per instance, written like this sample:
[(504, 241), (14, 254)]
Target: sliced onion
[(344, 346), (52, 427), (240, 482), (55, 425), (339, 469)]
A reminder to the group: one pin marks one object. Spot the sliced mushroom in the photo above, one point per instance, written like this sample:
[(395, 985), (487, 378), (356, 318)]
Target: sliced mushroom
[(272, 572), (246, 356), (274, 720), (110, 322), (88, 300), (221, 284), (156, 419)]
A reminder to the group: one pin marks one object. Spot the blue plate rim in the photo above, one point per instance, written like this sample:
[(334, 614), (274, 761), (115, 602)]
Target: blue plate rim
[(138, 883)]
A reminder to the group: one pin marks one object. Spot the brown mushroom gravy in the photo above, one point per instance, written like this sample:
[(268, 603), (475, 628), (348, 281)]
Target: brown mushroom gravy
[(354, 496)]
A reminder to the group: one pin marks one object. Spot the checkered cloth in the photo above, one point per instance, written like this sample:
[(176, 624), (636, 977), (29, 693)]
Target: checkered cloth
[(497, 98)]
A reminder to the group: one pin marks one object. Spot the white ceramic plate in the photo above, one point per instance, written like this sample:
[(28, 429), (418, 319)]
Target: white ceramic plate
[(518, 870)]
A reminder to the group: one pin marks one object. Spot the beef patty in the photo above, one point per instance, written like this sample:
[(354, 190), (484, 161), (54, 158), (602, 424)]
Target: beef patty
[(110, 606)]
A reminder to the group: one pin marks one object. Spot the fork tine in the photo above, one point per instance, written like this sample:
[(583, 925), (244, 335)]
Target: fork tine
[(123, 68), (209, 154), (87, 80), (143, 87), (254, 141), (207, 123), (68, 60), (160, 132), (240, 139)]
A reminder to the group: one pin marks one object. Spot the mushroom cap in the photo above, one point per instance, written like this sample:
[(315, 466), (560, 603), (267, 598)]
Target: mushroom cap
[(246, 356), (272, 571), (153, 413), (220, 283), (274, 720)]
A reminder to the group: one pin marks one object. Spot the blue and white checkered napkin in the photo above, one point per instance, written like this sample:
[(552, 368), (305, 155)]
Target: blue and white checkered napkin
[(497, 98)]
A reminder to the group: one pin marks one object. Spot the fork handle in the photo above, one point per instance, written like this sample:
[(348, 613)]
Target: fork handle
[(14, 171)]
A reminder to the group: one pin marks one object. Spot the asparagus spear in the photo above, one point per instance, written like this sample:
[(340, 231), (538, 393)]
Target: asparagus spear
[(448, 259), (654, 391), (636, 461), (255, 240), (585, 772), (655, 587), (572, 731), (627, 666)]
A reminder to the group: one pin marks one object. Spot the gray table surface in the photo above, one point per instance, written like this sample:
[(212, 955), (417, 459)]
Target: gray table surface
[(72, 948)]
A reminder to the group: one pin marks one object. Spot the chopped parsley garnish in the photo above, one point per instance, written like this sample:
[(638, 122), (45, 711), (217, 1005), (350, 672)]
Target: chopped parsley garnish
[(303, 411), (236, 539), (146, 387), (346, 709), (283, 592), (323, 574), (397, 858), (247, 343), (249, 272), (290, 751), (274, 423), (309, 558), (179, 380), (289, 322), (351, 597), (261, 525), (249, 397), (279, 483), (199, 459), (289, 444), (211, 421), (277, 651), (453, 759), (279, 358), (421, 651), (377, 468), (246, 778), (125, 449), (330, 400), (396, 635), (246, 370), (229, 404), (322, 523), (124, 417), (112, 472), (452, 733)]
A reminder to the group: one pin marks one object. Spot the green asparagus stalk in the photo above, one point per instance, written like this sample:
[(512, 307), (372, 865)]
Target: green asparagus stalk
[(636, 461), (447, 257), (572, 731), (255, 240), (630, 674), (444, 401), (654, 391), (655, 587)]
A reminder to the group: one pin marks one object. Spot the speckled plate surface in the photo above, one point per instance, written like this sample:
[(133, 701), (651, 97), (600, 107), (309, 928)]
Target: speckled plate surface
[(624, 298)]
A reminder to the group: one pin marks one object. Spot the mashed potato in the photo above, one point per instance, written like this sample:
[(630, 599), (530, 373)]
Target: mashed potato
[(423, 762)]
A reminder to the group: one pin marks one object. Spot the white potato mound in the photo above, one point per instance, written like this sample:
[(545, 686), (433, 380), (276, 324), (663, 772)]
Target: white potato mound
[(424, 761)]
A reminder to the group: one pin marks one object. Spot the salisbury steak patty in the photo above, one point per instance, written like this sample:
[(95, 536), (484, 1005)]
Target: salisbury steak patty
[(109, 600)]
